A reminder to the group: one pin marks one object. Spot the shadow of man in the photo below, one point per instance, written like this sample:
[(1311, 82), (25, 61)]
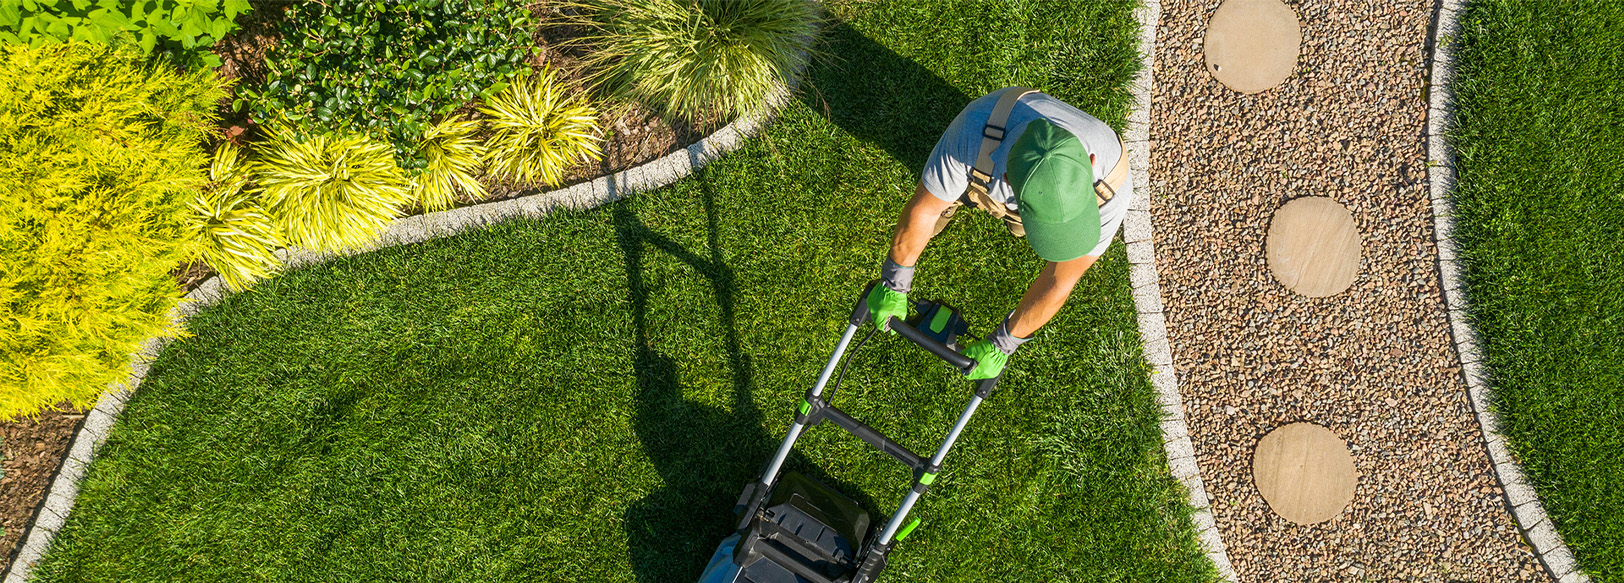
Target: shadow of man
[(704, 454)]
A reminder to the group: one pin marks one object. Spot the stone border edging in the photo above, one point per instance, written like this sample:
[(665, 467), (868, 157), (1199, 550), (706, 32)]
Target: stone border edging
[(98, 423), (1536, 526), (1137, 234)]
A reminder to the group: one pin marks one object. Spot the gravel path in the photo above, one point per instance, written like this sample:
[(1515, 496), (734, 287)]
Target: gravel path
[(1374, 363)]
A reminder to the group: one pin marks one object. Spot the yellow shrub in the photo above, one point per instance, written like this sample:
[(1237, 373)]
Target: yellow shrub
[(330, 193), (538, 129), (238, 238), (453, 157), (99, 156)]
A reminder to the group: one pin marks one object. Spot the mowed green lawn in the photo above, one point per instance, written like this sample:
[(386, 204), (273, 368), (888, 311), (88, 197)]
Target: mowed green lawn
[(1541, 219), (581, 398)]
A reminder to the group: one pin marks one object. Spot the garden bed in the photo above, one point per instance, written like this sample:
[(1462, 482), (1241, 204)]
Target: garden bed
[(634, 135), (34, 448)]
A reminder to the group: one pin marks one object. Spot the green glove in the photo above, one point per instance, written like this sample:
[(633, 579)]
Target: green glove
[(883, 302), (989, 360)]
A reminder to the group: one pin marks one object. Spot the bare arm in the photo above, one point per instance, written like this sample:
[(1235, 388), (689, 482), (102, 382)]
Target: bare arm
[(915, 226), (1047, 294)]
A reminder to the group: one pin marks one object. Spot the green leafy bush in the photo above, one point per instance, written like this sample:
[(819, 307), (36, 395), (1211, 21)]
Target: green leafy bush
[(99, 156), (329, 192), (183, 28), (388, 69), (238, 238), (537, 130), (697, 59), (453, 156)]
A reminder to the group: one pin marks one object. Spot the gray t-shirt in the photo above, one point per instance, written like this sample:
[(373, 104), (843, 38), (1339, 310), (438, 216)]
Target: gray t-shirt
[(947, 172)]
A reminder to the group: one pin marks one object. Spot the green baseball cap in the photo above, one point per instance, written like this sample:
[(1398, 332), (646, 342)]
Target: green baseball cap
[(1054, 186)]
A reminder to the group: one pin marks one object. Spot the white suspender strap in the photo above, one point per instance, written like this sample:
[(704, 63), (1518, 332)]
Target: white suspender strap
[(992, 134)]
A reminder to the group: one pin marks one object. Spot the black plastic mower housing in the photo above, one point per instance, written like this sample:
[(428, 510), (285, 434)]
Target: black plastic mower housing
[(805, 533)]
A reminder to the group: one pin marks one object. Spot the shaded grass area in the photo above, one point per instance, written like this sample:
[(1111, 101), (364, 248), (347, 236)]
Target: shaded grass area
[(1540, 198), (581, 398)]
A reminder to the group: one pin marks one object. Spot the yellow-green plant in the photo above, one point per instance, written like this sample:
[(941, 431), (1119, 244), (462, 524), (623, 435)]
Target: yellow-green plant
[(238, 238), (697, 59), (99, 155), (538, 129), (329, 192), (453, 156)]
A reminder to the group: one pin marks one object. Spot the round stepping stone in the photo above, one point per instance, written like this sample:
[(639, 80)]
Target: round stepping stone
[(1313, 246), (1251, 45), (1305, 473)]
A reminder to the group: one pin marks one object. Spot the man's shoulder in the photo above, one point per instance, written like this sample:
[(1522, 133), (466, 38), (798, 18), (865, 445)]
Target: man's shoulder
[(1039, 104)]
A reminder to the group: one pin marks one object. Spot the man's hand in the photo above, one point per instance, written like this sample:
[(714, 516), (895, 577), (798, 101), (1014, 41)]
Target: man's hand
[(883, 302), (993, 352), (890, 295), (989, 360), (914, 229)]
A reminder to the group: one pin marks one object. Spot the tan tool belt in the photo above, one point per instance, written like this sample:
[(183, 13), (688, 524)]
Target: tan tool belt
[(992, 134), (979, 198)]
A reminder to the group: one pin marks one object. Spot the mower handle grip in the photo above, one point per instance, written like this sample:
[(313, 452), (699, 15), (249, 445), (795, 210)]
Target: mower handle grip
[(964, 363), (859, 316)]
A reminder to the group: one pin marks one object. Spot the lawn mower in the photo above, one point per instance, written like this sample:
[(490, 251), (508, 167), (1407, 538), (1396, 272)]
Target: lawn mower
[(794, 529)]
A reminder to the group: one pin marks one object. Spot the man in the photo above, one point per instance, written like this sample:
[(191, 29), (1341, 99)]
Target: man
[(1055, 175)]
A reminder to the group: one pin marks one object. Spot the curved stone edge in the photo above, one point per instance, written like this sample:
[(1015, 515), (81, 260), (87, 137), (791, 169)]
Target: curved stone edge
[(1529, 512), (1138, 235), (59, 500)]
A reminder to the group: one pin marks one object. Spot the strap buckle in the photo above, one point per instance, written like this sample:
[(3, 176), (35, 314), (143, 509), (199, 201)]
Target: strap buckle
[(989, 128), (979, 178), (1103, 191), (977, 190)]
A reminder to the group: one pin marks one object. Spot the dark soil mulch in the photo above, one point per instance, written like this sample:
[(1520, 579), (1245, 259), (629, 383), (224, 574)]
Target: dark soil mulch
[(33, 449)]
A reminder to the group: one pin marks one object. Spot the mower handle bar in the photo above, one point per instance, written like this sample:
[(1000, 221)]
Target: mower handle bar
[(860, 314), (964, 363)]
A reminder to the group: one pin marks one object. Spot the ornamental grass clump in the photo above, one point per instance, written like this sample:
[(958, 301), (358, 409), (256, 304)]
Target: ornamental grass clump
[(697, 59), (99, 155), (330, 192), (453, 157), (538, 130), (237, 236)]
